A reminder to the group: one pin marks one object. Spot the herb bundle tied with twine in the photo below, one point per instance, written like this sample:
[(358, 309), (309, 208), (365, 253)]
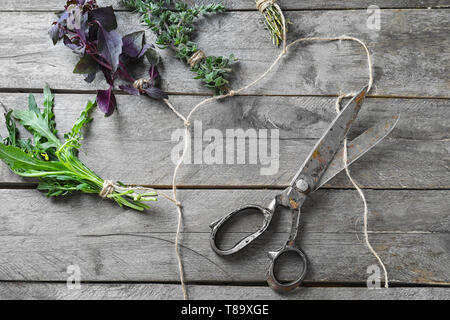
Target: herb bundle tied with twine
[(274, 20), (173, 24)]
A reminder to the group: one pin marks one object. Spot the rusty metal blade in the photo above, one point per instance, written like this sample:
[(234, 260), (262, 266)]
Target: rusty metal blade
[(326, 148), (358, 147)]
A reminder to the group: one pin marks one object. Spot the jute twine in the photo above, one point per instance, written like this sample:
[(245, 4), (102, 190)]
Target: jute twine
[(262, 5), (110, 186), (140, 84), (196, 58), (231, 93)]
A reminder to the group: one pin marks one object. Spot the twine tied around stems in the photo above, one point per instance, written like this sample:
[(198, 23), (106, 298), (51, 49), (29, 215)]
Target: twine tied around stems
[(273, 17), (108, 189), (262, 5), (196, 58), (140, 84)]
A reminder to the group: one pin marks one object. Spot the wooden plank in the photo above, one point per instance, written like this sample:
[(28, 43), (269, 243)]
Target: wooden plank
[(248, 4), (40, 238), (409, 53), (143, 128), (46, 291), (28, 212)]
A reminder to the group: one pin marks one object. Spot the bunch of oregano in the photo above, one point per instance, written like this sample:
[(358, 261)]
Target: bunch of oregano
[(173, 23), (54, 161)]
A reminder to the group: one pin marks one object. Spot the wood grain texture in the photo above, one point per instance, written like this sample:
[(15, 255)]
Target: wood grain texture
[(333, 257), (46, 291), (28, 212), (409, 53), (22, 5), (39, 238), (415, 155)]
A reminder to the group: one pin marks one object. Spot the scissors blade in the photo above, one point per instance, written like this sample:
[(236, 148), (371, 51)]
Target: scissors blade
[(326, 148), (358, 147)]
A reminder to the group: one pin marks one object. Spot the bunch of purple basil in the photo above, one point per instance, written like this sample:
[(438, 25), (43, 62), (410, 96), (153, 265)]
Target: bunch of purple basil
[(88, 30)]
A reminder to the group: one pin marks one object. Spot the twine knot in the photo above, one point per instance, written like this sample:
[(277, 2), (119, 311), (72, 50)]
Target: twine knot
[(139, 84), (187, 123), (108, 188), (262, 5), (196, 58), (232, 93)]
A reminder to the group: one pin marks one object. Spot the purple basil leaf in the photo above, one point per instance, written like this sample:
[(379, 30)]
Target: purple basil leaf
[(156, 93), (152, 56), (144, 50), (110, 46), (133, 44), (54, 33), (86, 65), (81, 2), (130, 90), (106, 101), (75, 17), (76, 48), (105, 16), (123, 73), (83, 31), (93, 32), (62, 20), (90, 77)]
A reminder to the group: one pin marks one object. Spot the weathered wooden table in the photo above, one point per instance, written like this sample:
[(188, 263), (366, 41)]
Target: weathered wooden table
[(124, 254)]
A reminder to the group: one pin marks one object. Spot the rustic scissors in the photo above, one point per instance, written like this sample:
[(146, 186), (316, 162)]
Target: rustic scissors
[(322, 164)]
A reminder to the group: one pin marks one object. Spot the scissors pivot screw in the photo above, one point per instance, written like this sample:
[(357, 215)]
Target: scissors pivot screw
[(302, 185)]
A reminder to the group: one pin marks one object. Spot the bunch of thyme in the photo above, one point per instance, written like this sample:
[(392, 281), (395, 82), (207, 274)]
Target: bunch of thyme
[(173, 23)]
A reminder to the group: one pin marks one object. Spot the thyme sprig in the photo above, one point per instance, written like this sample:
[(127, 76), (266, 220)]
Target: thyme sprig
[(173, 23)]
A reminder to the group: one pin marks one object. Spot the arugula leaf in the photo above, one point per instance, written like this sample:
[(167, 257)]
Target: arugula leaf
[(32, 105), (12, 130), (75, 135), (25, 164), (36, 124), (49, 99)]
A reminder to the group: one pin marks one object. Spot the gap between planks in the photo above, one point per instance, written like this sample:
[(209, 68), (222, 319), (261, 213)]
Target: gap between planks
[(200, 94), (31, 186), (443, 7)]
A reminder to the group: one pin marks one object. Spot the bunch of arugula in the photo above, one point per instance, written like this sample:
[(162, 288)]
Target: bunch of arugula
[(88, 30), (173, 23), (53, 161)]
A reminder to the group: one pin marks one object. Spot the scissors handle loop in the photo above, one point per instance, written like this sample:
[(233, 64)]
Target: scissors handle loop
[(281, 286), (217, 225)]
